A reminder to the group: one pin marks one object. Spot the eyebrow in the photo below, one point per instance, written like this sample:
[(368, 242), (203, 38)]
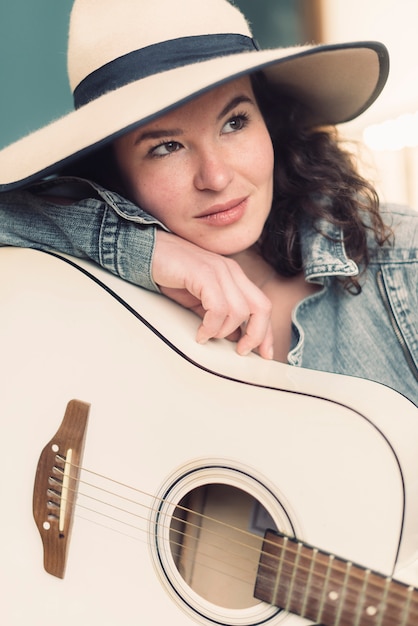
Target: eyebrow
[(158, 134), (233, 104), (176, 132)]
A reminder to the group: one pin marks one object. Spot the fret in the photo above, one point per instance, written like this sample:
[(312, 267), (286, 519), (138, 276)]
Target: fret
[(294, 576), (289, 590), (398, 604), (303, 568), (280, 569), (362, 600), (324, 588), (278, 581), (341, 604), (270, 562), (407, 607), (335, 594), (383, 602), (309, 582)]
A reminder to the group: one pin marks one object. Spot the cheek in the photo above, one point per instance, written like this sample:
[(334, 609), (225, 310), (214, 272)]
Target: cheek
[(151, 195), (159, 194), (149, 187), (259, 159)]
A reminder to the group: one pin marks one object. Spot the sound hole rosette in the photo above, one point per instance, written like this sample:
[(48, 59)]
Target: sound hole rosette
[(175, 490)]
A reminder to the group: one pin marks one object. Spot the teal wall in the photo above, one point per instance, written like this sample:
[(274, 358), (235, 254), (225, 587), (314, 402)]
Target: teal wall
[(274, 22), (33, 78), (33, 41)]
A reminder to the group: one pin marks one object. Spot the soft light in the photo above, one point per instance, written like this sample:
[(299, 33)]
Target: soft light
[(395, 134)]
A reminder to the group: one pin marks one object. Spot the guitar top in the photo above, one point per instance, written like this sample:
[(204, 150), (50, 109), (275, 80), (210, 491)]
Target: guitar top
[(188, 455)]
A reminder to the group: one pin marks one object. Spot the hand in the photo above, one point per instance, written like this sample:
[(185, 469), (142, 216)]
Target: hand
[(217, 289)]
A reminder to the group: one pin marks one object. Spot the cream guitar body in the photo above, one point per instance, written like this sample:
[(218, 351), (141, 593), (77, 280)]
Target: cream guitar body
[(189, 453)]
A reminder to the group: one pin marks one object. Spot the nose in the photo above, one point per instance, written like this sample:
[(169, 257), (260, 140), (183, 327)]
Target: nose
[(213, 171)]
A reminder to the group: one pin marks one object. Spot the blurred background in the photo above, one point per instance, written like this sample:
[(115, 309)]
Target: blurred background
[(35, 89)]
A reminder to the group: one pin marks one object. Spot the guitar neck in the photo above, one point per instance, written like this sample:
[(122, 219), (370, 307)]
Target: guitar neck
[(328, 590)]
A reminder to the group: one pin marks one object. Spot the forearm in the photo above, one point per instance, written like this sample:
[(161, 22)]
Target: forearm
[(87, 229)]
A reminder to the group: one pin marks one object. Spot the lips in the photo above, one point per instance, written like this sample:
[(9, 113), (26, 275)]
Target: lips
[(226, 213)]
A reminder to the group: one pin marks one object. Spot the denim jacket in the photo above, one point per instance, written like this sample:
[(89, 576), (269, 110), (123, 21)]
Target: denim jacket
[(83, 219), (373, 335)]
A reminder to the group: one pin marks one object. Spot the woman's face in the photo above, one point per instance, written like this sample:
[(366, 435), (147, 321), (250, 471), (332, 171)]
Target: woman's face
[(204, 170)]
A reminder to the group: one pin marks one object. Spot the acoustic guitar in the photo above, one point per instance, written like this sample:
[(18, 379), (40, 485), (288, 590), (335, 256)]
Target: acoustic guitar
[(146, 479)]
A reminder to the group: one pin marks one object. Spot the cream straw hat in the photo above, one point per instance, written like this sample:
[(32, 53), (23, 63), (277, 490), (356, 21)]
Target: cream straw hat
[(131, 60)]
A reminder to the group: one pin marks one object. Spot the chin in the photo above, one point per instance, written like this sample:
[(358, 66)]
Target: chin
[(227, 249), (233, 244)]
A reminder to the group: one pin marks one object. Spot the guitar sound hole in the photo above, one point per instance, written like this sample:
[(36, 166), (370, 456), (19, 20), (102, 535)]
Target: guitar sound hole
[(216, 535)]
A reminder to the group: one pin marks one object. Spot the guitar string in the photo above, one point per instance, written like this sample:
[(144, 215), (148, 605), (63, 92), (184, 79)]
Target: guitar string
[(185, 534), (398, 585), (320, 595), (291, 563), (150, 536), (409, 613), (160, 500), (176, 531)]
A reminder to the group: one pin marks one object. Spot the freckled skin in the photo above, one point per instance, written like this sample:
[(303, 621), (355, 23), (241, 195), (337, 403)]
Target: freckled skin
[(205, 170)]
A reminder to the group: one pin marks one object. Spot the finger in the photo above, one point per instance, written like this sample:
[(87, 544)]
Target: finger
[(250, 339), (247, 310), (217, 289), (219, 323), (225, 312), (223, 301), (257, 333), (211, 326)]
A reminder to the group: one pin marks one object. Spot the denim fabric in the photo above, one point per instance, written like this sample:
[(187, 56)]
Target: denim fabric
[(373, 335), (84, 220)]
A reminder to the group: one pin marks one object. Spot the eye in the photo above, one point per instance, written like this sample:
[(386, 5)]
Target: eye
[(165, 148), (237, 122)]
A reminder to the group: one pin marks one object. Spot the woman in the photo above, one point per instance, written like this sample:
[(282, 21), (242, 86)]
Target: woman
[(219, 161)]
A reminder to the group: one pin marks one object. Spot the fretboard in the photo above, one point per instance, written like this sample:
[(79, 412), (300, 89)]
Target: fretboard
[(329, 590)]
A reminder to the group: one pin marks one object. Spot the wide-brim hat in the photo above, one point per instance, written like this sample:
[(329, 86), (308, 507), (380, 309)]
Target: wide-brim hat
[(132, 60)]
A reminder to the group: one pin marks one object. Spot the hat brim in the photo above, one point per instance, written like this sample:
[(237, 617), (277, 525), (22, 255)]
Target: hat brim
[(336, 82)]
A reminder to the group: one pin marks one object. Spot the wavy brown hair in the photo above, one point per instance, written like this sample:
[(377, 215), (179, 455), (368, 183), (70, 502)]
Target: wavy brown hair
[(315, 177)]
